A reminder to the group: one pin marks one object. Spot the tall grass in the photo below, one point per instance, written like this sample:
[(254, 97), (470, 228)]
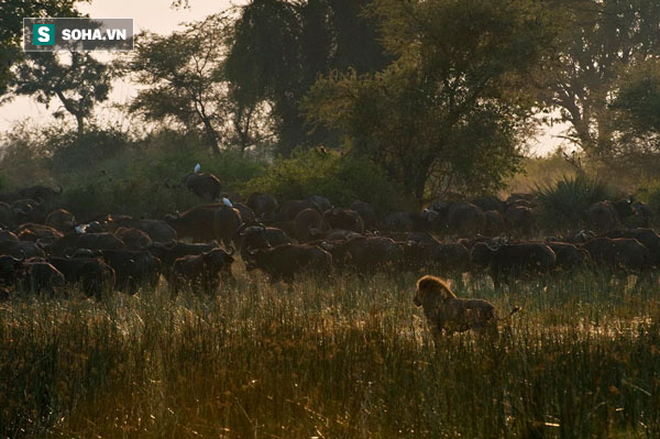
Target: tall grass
[(349, 358)]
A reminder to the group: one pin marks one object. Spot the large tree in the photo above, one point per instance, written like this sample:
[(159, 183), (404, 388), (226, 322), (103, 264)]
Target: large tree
[(636, 118), (279, 48), (11, 28), (597, 40), (78, 85), (450, 111), (186, 84)]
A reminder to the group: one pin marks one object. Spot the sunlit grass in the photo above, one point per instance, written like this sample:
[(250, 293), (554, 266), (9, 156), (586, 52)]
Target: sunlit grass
[(347, 358)]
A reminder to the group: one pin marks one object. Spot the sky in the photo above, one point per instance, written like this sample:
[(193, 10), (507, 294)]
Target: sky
[(158, 16)]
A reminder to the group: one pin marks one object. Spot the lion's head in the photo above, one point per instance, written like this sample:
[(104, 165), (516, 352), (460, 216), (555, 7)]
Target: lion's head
[(432, 286)]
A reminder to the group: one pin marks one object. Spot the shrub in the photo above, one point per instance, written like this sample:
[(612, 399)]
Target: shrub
[(563, 205), (340, 179)]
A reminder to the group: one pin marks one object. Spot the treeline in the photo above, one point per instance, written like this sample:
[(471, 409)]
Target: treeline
[(410, 99)]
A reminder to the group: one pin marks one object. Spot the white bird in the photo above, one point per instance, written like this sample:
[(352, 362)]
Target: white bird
[(197, 168), (226, 202), (80, 229)]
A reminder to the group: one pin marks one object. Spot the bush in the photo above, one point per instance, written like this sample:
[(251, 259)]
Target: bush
[(340, 179), (564, 204)]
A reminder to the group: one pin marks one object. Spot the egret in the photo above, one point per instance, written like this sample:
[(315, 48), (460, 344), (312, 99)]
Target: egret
[(226, 202), (197, 168)]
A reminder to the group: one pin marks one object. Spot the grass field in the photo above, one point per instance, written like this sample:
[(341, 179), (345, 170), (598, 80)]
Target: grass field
[(351, 358)]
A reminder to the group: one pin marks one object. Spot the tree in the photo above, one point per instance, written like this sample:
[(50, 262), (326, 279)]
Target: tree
[(11, 29), (278, 48), (636, 118), (596, 41), (186, 83), (451, 109), (79, 85)]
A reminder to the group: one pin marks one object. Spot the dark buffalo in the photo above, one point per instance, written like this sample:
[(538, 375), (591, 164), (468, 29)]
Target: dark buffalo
[(367, 213), (226, 223), (158, 230), (204, 185), (569, 256), (7, 216), (489, 202), (624, 254), (397, 222), (91, 241), (365, 254), (168, 253), (263, 205), (494, 223), (92, 275), (423, 251), (20, 249), (202, 272), (602, 216), (345, 219), (8, 268), (30, 211), (646, 236), (134, 239), (40, 233), (6, 235), (308, 225), (196, 223), (133, 269), (37, 276), (247, 215), (291, 208), (507, 260), (45, 194), (260, 237), (520, 220), (466, 219), (322, 202), (286, 261), (62, 220)]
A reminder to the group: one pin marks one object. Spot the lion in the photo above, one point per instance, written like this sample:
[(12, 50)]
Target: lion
[(447, 313)]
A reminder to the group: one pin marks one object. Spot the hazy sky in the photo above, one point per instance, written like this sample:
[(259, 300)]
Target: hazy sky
[(156, 16)]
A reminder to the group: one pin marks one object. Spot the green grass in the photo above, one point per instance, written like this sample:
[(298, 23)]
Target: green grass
[(351, 358)]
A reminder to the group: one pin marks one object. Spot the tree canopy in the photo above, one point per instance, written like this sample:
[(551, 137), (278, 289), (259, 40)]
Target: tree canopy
[(597, 40), (278, 49), (451, 109), (79, 84), (186, 83), (11, 28)]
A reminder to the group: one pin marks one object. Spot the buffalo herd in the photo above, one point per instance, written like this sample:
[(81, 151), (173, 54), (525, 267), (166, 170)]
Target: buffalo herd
[(45, 249)]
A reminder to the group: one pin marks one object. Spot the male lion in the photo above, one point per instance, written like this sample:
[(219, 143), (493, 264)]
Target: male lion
[(445, 312)]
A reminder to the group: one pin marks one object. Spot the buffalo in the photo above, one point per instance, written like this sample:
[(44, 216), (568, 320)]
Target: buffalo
[(308, 225), (619, 253), (92, 241), (286, 261), (204, 185), (263, 205), (345, 219), (202, 271), (92, 275), (365, 254), (133, 269), (507, 260), (134, 239), (62, 220)]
